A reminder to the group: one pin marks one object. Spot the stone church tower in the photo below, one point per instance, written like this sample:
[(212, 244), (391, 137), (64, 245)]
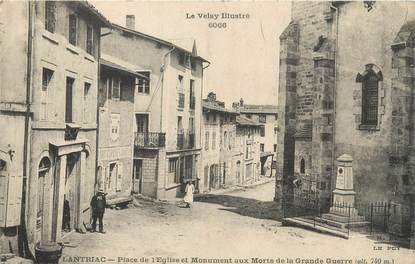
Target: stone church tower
[(347, 86)]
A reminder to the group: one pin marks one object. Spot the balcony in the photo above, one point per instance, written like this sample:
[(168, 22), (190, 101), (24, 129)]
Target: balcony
[(185, 141), (149, 140)]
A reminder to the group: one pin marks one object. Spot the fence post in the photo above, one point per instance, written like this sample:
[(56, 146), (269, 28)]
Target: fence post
[(371, 218), (348, 224)]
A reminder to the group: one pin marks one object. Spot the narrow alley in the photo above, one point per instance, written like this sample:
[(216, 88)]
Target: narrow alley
[(235, 224)]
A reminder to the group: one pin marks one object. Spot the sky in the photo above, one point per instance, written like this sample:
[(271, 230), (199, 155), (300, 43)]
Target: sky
[(244, 55)]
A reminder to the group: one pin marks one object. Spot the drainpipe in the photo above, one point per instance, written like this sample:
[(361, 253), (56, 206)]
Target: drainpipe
[(23, 243), (334, 94), (201, 118), (163, 68)]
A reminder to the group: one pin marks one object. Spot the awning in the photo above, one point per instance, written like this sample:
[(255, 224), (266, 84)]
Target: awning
[(115, 66)]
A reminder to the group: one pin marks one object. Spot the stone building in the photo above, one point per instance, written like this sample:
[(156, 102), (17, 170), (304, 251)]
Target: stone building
[(168, 105), (48, 98), (346, 86), (116, 128), (267, 117), (218, 145), (248, 164)]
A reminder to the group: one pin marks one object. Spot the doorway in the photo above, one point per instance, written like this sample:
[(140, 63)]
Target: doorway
[(137, 175), (142, 123), (71, 196)]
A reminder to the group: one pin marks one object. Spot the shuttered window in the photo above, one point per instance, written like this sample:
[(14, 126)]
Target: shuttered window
[(370, 100)]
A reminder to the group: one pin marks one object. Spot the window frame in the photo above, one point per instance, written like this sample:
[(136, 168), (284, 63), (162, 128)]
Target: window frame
[(143, 86), (50, 16), (370, 99), (73, 39), (90, 39)]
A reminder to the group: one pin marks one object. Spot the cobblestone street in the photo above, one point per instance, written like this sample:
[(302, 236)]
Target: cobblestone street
[(235, 224)]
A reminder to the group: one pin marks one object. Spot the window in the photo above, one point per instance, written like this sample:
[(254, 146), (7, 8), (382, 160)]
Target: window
[(46, 79), (115, 126), (142, 122), (90, 39), (276, 117), (248, 116), (179, 124), (73, 29), (191, 125), (112, 175), (262, 147), (214, 118), (116, 88), (87, 88), (109, 87), (184, 59), (68, 100), (50, 16), (262, 118), (262, 131), (192, 95), (206, 140), (248, 151), (275, 130), (174, 170), (213, 140), (370, 99), (181, 100), (302, 166), (143, 84), (275, 147), (180, 82)]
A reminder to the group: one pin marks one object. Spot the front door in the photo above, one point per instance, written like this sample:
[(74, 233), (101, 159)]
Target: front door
[(71, 191), (137, 175), (112, 178)]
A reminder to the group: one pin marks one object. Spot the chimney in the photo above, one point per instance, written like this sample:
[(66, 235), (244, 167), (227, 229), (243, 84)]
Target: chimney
[(130, 21)]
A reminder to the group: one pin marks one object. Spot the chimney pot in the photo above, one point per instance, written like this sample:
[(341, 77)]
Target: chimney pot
[(130, 21)]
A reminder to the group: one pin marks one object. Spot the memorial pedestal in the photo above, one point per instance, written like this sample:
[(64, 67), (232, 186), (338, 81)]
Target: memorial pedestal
[(343, 212)]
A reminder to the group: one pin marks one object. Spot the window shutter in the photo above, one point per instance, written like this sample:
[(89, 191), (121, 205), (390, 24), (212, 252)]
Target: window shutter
[(10, 199), (3, 197), (15, 200), (119, 177)]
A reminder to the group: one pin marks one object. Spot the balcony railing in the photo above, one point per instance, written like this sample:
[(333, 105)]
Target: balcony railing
[(150, 140), (185, 141)]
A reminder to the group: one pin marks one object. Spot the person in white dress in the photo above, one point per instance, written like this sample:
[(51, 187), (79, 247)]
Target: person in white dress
[(188, 197)]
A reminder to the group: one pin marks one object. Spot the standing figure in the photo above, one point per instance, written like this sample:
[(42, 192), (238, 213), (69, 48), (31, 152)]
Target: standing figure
[(98, 204), (188, 197), (66, 226)]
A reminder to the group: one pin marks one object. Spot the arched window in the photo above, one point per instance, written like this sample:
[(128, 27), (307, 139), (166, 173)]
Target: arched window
[(370, 80), (302, 166), (43, 170), (370, 99)]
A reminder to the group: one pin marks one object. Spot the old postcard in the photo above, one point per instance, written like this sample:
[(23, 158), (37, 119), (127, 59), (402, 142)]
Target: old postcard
[(207, 132)]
